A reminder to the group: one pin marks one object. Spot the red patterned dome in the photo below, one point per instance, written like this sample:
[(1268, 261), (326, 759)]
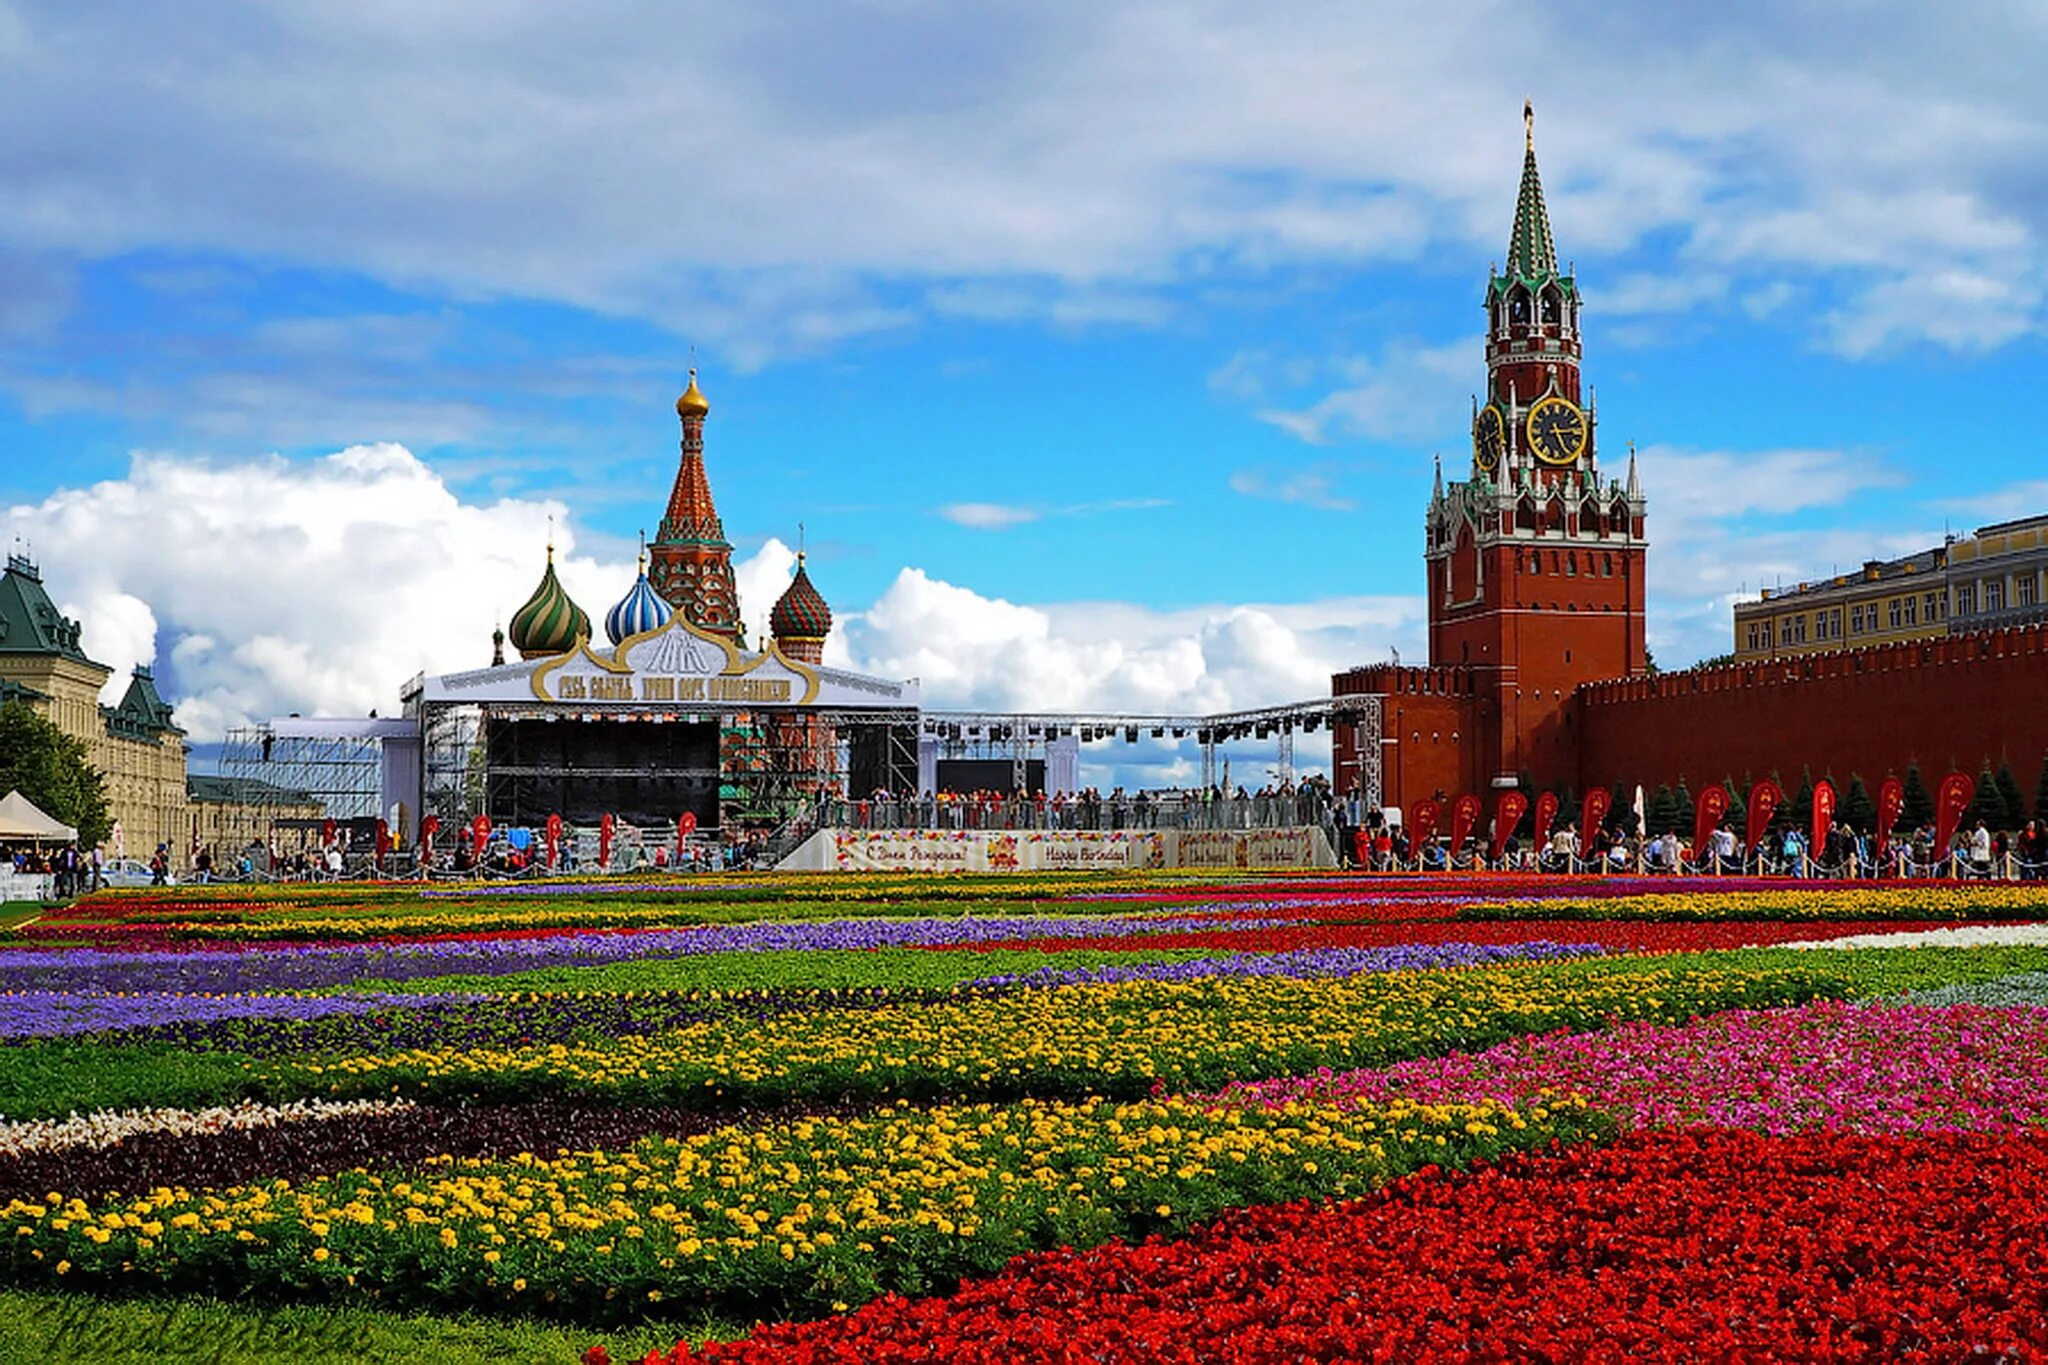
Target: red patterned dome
[(800, 613)]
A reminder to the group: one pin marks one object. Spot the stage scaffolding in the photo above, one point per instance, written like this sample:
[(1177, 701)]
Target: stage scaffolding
[(341, 767)]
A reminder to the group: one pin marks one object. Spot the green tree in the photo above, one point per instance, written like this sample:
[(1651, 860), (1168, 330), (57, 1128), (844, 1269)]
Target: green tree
[(1621, 815), (1801, 812), (1682, 817), (1858, 811), (1737, 819), (50, 768), (1987, 805), (1661, 811), (2009, 795), (1916, 811), (2041, 793)]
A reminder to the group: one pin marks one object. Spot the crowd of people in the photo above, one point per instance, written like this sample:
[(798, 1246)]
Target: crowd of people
[(1275, 805)]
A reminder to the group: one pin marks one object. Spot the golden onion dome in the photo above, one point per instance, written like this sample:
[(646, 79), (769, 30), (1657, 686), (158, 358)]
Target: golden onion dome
[(693, 403), (549, 623)]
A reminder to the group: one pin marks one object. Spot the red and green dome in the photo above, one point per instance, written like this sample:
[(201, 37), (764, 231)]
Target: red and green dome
[(800, 613), (549, 623)]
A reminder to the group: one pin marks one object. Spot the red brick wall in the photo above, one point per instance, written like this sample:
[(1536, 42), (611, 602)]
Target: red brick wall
[(1945, 704), (1433, 720)]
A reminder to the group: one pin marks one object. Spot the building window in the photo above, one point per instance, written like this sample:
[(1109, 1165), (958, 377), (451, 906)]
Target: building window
[(2025, 590), (1797, 624), (1571, 566), (1895, 612), (1856, 619), (1835, 624), (1913, 610), (1994, 594), (1966, 599)]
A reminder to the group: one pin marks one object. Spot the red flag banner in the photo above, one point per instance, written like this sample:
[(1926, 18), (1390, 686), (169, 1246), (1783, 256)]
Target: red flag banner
[(326, 833), (1422, 821), (1464, 816), (1361, 846), (1507, 813), (1951, 800), (480, 836), (686, 824), (604, 841), (1709, 808), (1764, 799), (1891, 799), (429, 827), (1823, 817), (1593, 814), (1546, 816), (383, 843), (554, 833)]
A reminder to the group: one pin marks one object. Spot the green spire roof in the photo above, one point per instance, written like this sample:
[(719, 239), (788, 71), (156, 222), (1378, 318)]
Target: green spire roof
[(549, 623), (1531, 253), (143, 712)]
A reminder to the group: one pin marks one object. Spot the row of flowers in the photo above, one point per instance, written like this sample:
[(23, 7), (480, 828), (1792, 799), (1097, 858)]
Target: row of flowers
[(1114, 1038), (1866, 901), (1695, 1245), (1893, 1069), (803, 1216)]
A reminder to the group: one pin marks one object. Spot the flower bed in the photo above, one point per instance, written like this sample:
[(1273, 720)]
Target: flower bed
[(1685, 1246)]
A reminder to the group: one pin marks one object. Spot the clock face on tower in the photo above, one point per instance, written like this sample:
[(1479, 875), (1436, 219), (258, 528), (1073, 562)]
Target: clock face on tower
[(1557, 430), (1489, 436)]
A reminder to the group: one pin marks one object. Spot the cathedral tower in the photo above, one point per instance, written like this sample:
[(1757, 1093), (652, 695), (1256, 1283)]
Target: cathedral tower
[(1535, 561), (691, 559)]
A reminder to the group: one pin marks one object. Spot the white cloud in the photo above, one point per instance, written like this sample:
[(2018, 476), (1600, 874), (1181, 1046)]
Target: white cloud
[(973, 650), (987, 516), (1309, 487), (1410, 391), (781, 196), (313, 586)]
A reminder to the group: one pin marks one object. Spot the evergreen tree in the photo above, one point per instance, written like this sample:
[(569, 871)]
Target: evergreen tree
[(1738, 808), (1661, 811), (2011, 798), (1801, 813), (1857, 810), (1621, 816), (51, 769), (1526, 785), (1916, 812), (1987, 805), (1683, 816), (2041, 793)]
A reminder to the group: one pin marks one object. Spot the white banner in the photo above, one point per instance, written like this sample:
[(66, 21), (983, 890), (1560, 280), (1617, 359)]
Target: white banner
[(990, 851), (1247, 848)]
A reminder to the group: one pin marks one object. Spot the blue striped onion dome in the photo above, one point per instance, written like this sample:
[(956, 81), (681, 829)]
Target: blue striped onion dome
[(549, 623), (640, 611)]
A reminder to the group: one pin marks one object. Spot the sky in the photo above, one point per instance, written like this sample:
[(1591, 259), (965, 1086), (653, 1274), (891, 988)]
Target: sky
[(1097, 353)]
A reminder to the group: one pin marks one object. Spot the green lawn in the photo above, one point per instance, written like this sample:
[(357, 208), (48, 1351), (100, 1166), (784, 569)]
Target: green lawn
[(15, 913), (63, 1327)]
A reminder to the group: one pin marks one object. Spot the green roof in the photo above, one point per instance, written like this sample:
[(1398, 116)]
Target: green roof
[(29, 621), (143, 713)]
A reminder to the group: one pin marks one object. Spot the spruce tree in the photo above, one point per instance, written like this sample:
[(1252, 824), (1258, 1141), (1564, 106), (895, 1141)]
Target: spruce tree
[(1683, 817), (1987, 805), (2041, 793), (1621, 816), (1858, 811), (1661, 811), (1801, 813), (1916, 812), (2011, 798), (1738, 809)]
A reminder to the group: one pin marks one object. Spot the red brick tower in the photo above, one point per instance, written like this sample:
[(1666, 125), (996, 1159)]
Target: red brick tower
[(1535, 563), (690, 559)]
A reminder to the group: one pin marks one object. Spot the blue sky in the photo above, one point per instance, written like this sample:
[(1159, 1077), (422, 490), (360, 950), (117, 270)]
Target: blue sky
[(1101, 350)]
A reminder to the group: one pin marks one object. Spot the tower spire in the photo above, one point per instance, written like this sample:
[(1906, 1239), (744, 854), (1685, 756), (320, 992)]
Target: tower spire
[(1635, 484), (1531, 253)]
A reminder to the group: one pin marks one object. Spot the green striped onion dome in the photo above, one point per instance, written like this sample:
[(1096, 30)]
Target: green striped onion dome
[(549, 623), (800, 613)]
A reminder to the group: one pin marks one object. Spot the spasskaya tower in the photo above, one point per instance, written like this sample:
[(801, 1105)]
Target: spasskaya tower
[(1535, 561)]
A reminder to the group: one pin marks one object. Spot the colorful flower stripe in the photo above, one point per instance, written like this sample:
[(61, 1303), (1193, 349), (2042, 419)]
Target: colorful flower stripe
[(1692, 1246), (377, 1135), (801, 1216), (1102, 1039), (1616, 936), (1308, 962), (1826, 1065), (49, 1014), (307, 968), (97, 1131), (1921, 901)]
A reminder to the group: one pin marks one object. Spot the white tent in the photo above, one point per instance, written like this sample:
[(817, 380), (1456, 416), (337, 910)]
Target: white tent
[(19, 819)]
